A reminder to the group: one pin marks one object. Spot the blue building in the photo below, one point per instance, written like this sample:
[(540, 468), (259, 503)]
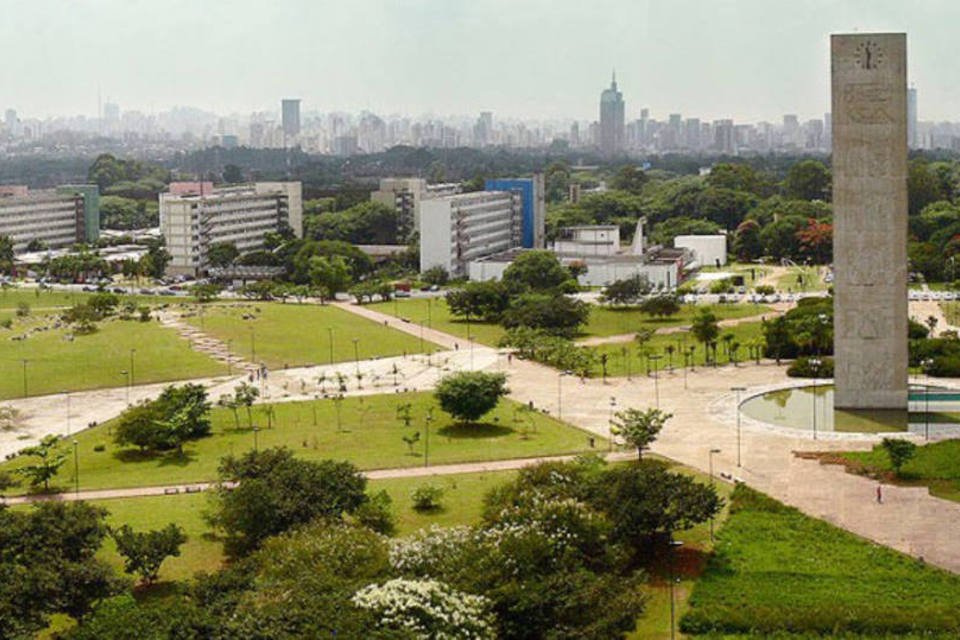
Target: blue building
[(534, 207)]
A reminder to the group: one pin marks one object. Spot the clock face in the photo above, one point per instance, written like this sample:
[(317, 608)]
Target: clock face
[(869, 56)]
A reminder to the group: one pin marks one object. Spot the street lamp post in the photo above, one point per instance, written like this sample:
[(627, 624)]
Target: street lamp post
[(656, 378), (76, 468), (712, 483), (613, 406), (253, 345), (229, 357), (256, 443), (25, 361), (925, 365), (356, 354), (126, 375), (815, 364), (133, 352), (430, 312), (330, 335), (674, 545), (471, 352), (560, 393), (67, 393), (738, 390), (421, 336), (426, 439)]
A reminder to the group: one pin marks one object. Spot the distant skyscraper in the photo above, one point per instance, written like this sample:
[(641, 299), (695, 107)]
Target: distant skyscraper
[(483, 130), (912, 141), (611, 119), (291, 117)]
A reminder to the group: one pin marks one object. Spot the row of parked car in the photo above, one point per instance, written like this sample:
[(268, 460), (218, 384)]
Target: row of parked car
[(915, 294)]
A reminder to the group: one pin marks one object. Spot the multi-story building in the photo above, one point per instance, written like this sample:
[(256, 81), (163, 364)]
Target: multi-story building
[(56, 218), (195, 216), (290, 116), (611, 119), (532, 198), (405, 195), (455, 230)]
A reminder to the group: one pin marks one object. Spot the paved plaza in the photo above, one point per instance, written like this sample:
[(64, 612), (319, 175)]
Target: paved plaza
[(910, 520)]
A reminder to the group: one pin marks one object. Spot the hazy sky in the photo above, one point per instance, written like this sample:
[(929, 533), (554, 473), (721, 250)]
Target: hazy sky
[(749, 59)]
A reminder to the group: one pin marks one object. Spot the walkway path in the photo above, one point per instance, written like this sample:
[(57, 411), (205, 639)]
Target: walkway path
[(205, 343), (777, 310), (377, 474), (910, 520)]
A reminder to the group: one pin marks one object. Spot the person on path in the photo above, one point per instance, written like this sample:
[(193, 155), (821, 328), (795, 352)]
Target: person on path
[(879, 494)]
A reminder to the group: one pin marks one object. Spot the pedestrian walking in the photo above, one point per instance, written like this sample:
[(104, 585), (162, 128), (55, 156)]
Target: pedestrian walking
[(879, 494)]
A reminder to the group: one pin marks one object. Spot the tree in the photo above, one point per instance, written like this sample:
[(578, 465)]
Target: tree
[(647, 503), (536, 270), (469, 395), (276, 491), (923, 186), (244, 395), (555, 314), (816, 241), (179, 414), (6, 254), (639, 428), (629, 178), (746, 242), (899, 451), (222, 254), (47, 464), (808, 180), (435, 275), (661, 306), (330, 275), (50, 564), (627, 291), (144, 552), (705, 328), (485, 300), (207, 292), (232, 174), (155, 262)]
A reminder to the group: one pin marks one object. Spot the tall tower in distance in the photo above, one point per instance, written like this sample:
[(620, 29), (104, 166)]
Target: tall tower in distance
[(290, 108), (912, 141), (611, 119)]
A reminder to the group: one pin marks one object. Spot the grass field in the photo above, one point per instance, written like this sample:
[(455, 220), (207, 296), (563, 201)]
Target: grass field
[(11, 297), (294, 334), (776, 570), (56, 364), (625, 359), (370, 437), (935, 465), (812, 280), (604, 321)]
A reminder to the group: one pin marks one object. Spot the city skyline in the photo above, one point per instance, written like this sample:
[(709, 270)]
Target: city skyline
[(677, 57)]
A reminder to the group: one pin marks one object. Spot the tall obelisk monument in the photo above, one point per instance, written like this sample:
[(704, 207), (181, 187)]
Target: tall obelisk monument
[(869, 96)]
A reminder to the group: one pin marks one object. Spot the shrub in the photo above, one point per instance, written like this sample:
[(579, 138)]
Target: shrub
[(803, 368), (427, 497)]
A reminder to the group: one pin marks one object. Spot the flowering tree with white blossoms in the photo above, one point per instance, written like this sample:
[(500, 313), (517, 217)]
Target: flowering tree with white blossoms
[(429, 609)]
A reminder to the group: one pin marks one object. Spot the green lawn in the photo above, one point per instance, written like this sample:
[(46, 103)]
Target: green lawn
[(299, 334), (56, 364), (935, 465), (370, 437), (11, 297), (604, 321), (776, 570), (625, 358), (812, 281)]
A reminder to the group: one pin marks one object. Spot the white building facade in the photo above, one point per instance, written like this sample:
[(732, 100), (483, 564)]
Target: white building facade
[(455, 230), (56, 218), (242, 216), (708, 251)]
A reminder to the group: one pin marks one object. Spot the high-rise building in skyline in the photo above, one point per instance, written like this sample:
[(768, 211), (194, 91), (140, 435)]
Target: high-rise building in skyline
[(290, 108), (912, 141), (611, 119)]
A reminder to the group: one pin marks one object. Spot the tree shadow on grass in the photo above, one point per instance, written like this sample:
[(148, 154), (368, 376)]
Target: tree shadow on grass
[(474, 431), (163, 458)]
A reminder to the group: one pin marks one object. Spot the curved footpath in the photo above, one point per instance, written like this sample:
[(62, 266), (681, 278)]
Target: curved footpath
[(909, 520)]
